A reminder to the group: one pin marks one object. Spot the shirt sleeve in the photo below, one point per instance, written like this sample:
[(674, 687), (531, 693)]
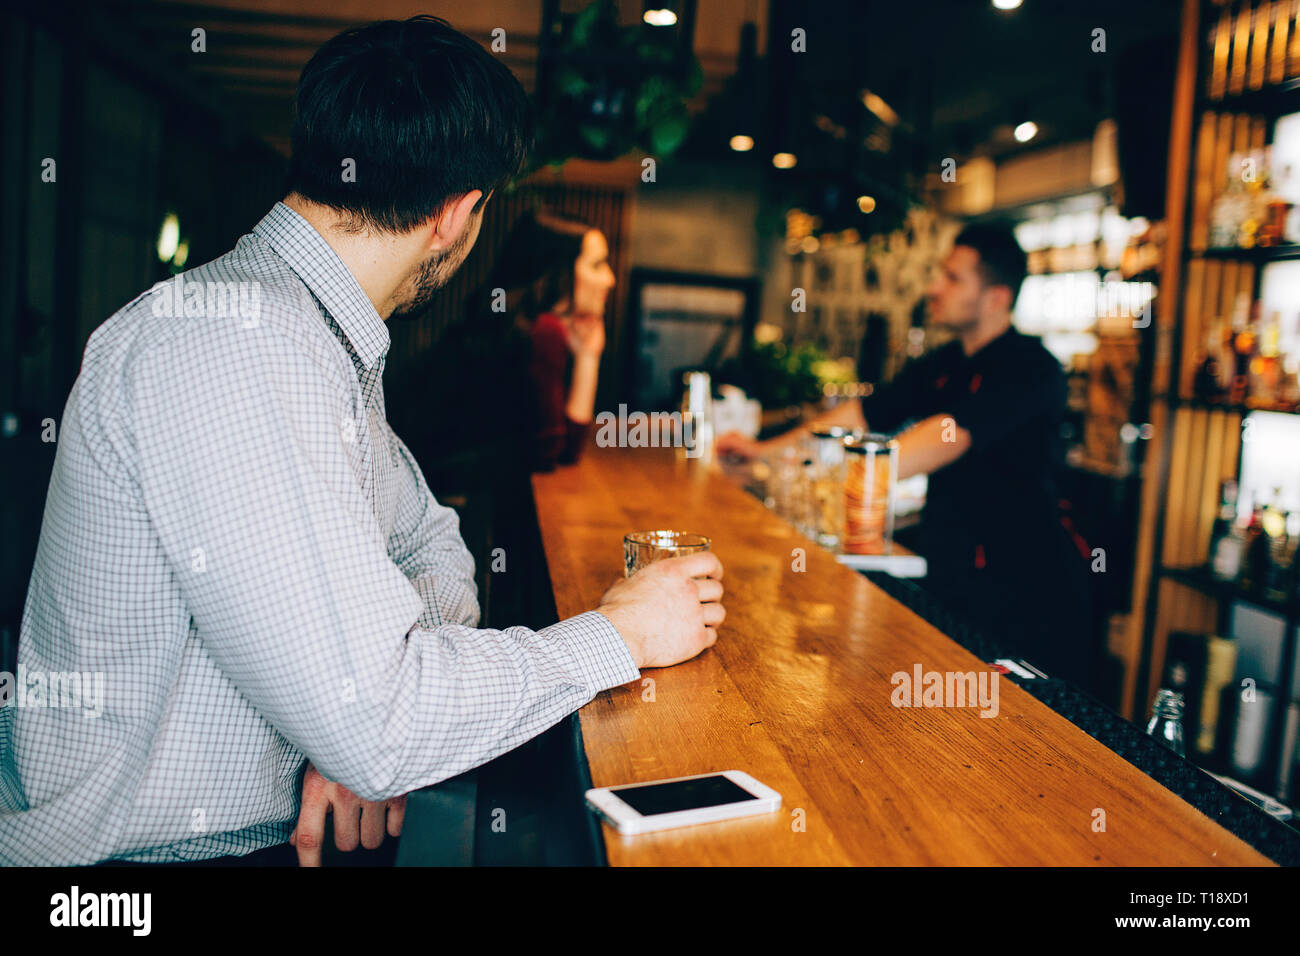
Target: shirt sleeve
[(427, 547), (1018, 393), (243, 445)]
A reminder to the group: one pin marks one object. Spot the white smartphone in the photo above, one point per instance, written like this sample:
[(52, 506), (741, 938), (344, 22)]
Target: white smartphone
[(682, 801)]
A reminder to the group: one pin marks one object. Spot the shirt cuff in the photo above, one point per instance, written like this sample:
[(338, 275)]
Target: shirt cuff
[(599, 650)]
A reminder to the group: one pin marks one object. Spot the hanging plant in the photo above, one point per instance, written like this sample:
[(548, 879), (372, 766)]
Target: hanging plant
[(615, 89)]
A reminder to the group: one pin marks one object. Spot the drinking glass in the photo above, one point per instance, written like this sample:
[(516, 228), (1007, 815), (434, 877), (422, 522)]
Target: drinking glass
[(646, 547), (870, 480)]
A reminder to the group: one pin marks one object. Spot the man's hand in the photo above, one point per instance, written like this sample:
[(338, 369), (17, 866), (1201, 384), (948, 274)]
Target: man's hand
[(668, 611), (353, 818)]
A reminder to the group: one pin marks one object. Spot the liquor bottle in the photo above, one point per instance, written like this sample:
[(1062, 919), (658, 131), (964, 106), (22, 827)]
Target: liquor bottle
[(1254, 567), (1266, 367), (1166, 723), (1226, 545), (1207, 383), (1220, 665), (1243, 345), (1274, 522), (1289, 387)]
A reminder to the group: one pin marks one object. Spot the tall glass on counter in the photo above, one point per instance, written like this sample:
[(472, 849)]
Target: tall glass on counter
[(870, 487), (826, 519)]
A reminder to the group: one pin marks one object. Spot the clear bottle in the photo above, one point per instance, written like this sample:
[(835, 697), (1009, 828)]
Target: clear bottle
[(1226, 545), (1166, 723)]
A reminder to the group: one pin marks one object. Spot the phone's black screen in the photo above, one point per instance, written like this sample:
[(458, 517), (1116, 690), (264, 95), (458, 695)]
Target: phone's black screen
[(712, 791)]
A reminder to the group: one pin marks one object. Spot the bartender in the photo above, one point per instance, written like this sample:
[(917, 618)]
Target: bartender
[(981, 416)]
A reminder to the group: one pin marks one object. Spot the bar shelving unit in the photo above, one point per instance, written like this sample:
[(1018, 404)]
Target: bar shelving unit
[(1239, 70)]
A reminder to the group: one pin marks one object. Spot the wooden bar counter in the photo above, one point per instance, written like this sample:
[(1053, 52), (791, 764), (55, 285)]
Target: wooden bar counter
[(797, 692)]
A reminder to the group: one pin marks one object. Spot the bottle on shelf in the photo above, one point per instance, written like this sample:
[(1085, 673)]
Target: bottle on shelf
[(1221, 661), (1266, 367), (1275, 575), (1255, 566), (1166, 723), (1289, 387), (1207, 383), (1227, 545), (1243, 346)]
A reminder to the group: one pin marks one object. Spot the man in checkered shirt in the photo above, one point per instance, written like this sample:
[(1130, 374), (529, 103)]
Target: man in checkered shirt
[(238, 545)]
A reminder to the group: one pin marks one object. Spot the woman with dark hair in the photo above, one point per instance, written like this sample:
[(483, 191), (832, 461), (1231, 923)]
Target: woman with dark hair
[(550, 283)]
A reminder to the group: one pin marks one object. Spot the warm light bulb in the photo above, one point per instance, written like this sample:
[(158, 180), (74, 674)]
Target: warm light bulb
[(783, 160), (742, 143), (1006, 4), (168, 237), (1026, 131), (660, 18), (866, 204)]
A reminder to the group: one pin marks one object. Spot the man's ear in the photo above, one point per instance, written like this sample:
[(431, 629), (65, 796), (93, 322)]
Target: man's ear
[(451, 222), (1000, 297)]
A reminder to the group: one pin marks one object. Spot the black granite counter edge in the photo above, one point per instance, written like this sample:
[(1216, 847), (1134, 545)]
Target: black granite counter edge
[(1270, 836)]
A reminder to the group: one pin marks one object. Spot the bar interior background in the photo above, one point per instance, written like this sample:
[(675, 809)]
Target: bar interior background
[(775, 169)]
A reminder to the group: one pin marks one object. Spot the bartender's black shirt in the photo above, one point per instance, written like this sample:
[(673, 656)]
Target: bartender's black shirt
[(991, 529)]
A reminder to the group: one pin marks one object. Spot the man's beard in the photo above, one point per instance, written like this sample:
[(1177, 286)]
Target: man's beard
[(435, 272), (956, 326)]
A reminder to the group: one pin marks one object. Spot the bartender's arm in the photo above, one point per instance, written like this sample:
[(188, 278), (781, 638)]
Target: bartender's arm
[(924, 447), (931, 444)]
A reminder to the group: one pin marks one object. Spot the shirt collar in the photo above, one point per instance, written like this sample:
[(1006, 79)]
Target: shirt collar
[(298, 243)]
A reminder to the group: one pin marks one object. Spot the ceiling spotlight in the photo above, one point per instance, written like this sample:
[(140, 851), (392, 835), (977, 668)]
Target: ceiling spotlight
[(882, 110), (742, 143), (661, 17), (1006, 4), (1026, 131), (866, 204), (784, 160)]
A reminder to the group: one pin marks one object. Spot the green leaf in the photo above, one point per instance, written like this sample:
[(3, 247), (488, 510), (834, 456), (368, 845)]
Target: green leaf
[(570, 82), (649, 96), (596, 136), (585, 23), (668, 133)]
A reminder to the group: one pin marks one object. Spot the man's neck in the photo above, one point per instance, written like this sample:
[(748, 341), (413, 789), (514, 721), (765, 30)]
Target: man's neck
[(982, 334), (379, 263)]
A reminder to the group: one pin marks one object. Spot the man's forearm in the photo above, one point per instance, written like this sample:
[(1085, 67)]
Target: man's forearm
[(844, 415), (931, 444)]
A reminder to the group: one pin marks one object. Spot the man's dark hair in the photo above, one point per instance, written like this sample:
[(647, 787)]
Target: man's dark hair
[(426, 113), (1002, 261)]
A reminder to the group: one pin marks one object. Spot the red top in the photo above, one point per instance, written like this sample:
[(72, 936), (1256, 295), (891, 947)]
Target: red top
[(559, 438)]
